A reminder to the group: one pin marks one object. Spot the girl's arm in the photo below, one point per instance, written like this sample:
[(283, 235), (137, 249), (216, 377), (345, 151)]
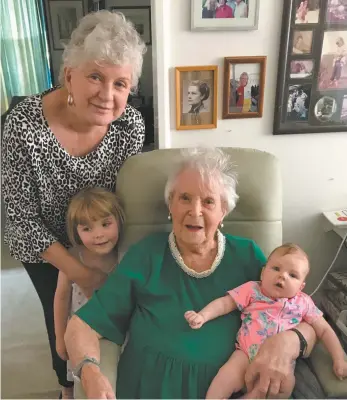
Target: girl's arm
[(326, 334), (86, 278), (223, 305), (62, 305)]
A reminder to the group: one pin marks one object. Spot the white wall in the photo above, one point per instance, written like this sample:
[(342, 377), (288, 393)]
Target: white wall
[(314, 166)]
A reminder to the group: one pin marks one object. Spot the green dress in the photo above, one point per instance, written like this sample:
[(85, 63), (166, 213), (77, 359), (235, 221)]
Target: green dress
[(147, 296)]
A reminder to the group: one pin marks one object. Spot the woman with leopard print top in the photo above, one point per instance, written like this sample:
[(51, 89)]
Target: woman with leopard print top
[(74, 136)]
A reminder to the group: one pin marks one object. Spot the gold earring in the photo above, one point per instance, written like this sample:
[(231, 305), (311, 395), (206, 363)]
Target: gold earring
[(70, 101)]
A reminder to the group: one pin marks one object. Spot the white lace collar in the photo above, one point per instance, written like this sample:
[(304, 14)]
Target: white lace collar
[(177, 256)]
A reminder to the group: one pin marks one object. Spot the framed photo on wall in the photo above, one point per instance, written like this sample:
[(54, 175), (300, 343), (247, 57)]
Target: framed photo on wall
[(64, 17), (140, 16), (243, 91), (196, 97), (224, 15), (311, 94)]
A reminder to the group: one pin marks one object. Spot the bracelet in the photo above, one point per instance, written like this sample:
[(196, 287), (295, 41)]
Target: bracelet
[(303, 342)]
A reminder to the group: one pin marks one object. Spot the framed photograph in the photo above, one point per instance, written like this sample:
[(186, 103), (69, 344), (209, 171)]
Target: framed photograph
[(312, 74), (140, 16), (243, 92), (336, 12), (196, 97), (224, 14), (64, 17), (306, 12)]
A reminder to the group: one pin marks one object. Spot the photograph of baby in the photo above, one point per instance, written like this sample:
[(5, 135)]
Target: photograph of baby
[(244, 88), (225, 9), (333, 65), (307, 11), (336, 12), (298, 102), (300, 69), (302, 42), (325, 108), (344, 110)]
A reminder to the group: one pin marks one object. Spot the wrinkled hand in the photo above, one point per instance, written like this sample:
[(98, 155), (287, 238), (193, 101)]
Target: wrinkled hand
[(61, 349), (269, 372), (195, 320), (340, 368), (92, 279), (95, 384)]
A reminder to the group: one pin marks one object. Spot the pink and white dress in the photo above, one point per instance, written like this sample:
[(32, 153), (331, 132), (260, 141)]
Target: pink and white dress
[(263, 316)]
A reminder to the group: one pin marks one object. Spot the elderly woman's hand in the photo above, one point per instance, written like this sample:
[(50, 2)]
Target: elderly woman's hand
[(272, 368), (95, 384)]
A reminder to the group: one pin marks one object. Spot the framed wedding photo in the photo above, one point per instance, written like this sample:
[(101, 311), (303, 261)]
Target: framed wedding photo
[(243, 91), (196, 97), (224, 15), (311, 95)]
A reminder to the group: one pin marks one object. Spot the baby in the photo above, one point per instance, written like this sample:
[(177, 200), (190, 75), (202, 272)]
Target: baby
[(273, 305)]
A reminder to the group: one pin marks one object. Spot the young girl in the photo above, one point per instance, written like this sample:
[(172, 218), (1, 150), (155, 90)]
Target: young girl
[(94, 223), (273, 305)]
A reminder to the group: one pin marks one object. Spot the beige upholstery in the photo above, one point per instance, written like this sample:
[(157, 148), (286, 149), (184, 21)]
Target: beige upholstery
[(258, 214), (140, 185)]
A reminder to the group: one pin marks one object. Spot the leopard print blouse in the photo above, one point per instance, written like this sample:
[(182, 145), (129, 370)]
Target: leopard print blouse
[(39, 176)]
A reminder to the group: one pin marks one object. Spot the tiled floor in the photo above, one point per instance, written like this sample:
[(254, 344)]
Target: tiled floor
[(26, 366)]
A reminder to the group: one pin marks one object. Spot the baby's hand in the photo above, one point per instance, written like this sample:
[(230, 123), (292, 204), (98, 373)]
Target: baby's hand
[(195, 320), (340, 369)]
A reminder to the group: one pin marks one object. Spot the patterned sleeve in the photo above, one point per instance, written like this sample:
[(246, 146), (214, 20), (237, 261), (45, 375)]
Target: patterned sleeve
[(311, 312), (136, 135), (242, 295), (26, 232)]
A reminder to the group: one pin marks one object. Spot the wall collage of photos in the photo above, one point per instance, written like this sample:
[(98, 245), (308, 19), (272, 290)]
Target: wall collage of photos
[(312, 79)]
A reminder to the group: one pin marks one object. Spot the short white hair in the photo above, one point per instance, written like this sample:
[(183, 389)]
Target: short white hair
[(105, 37), (214, 166)]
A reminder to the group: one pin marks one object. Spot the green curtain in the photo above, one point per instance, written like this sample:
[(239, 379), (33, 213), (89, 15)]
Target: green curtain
[(24, 52)]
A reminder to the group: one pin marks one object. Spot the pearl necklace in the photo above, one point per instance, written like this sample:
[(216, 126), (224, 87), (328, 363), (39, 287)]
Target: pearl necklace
[(177, 256)]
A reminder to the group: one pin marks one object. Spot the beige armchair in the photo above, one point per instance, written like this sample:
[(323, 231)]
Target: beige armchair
[(258, 215)]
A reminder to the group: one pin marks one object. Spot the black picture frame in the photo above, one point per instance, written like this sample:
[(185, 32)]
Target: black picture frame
[(140, 16), (309, 97)]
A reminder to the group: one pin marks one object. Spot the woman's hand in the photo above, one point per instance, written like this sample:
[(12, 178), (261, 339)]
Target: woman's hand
[(90, 280), (95, 384), (269, 372)]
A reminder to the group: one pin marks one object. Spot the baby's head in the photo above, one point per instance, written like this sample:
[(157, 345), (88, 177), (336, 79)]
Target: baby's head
[(95, 219), (285, 271)]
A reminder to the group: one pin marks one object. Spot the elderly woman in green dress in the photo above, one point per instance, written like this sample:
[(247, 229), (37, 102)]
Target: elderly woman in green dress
[(162, 277)]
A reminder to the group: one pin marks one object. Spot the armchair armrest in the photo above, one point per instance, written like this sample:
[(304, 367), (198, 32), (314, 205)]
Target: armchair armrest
[(321, 363), (109, 357)]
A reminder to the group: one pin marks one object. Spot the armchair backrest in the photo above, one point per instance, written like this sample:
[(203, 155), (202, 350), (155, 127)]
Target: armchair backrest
[(258, 214)]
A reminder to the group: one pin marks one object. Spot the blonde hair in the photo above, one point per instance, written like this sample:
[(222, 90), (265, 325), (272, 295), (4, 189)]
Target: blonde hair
[(91, 204), (290, 248)]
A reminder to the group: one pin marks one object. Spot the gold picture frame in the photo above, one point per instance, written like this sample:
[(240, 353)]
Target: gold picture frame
[(196, 97), (244, 84)]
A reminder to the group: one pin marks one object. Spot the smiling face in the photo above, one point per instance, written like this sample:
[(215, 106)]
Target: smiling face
[(284, 275), (100, 92), (196, 209), (194, 95), (99, 236)]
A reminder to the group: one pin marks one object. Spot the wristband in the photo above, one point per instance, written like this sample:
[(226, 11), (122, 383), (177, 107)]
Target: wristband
[(77, 372), (303, 343)]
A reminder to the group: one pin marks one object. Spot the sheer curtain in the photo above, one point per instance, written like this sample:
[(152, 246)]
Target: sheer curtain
[(24, 51)]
